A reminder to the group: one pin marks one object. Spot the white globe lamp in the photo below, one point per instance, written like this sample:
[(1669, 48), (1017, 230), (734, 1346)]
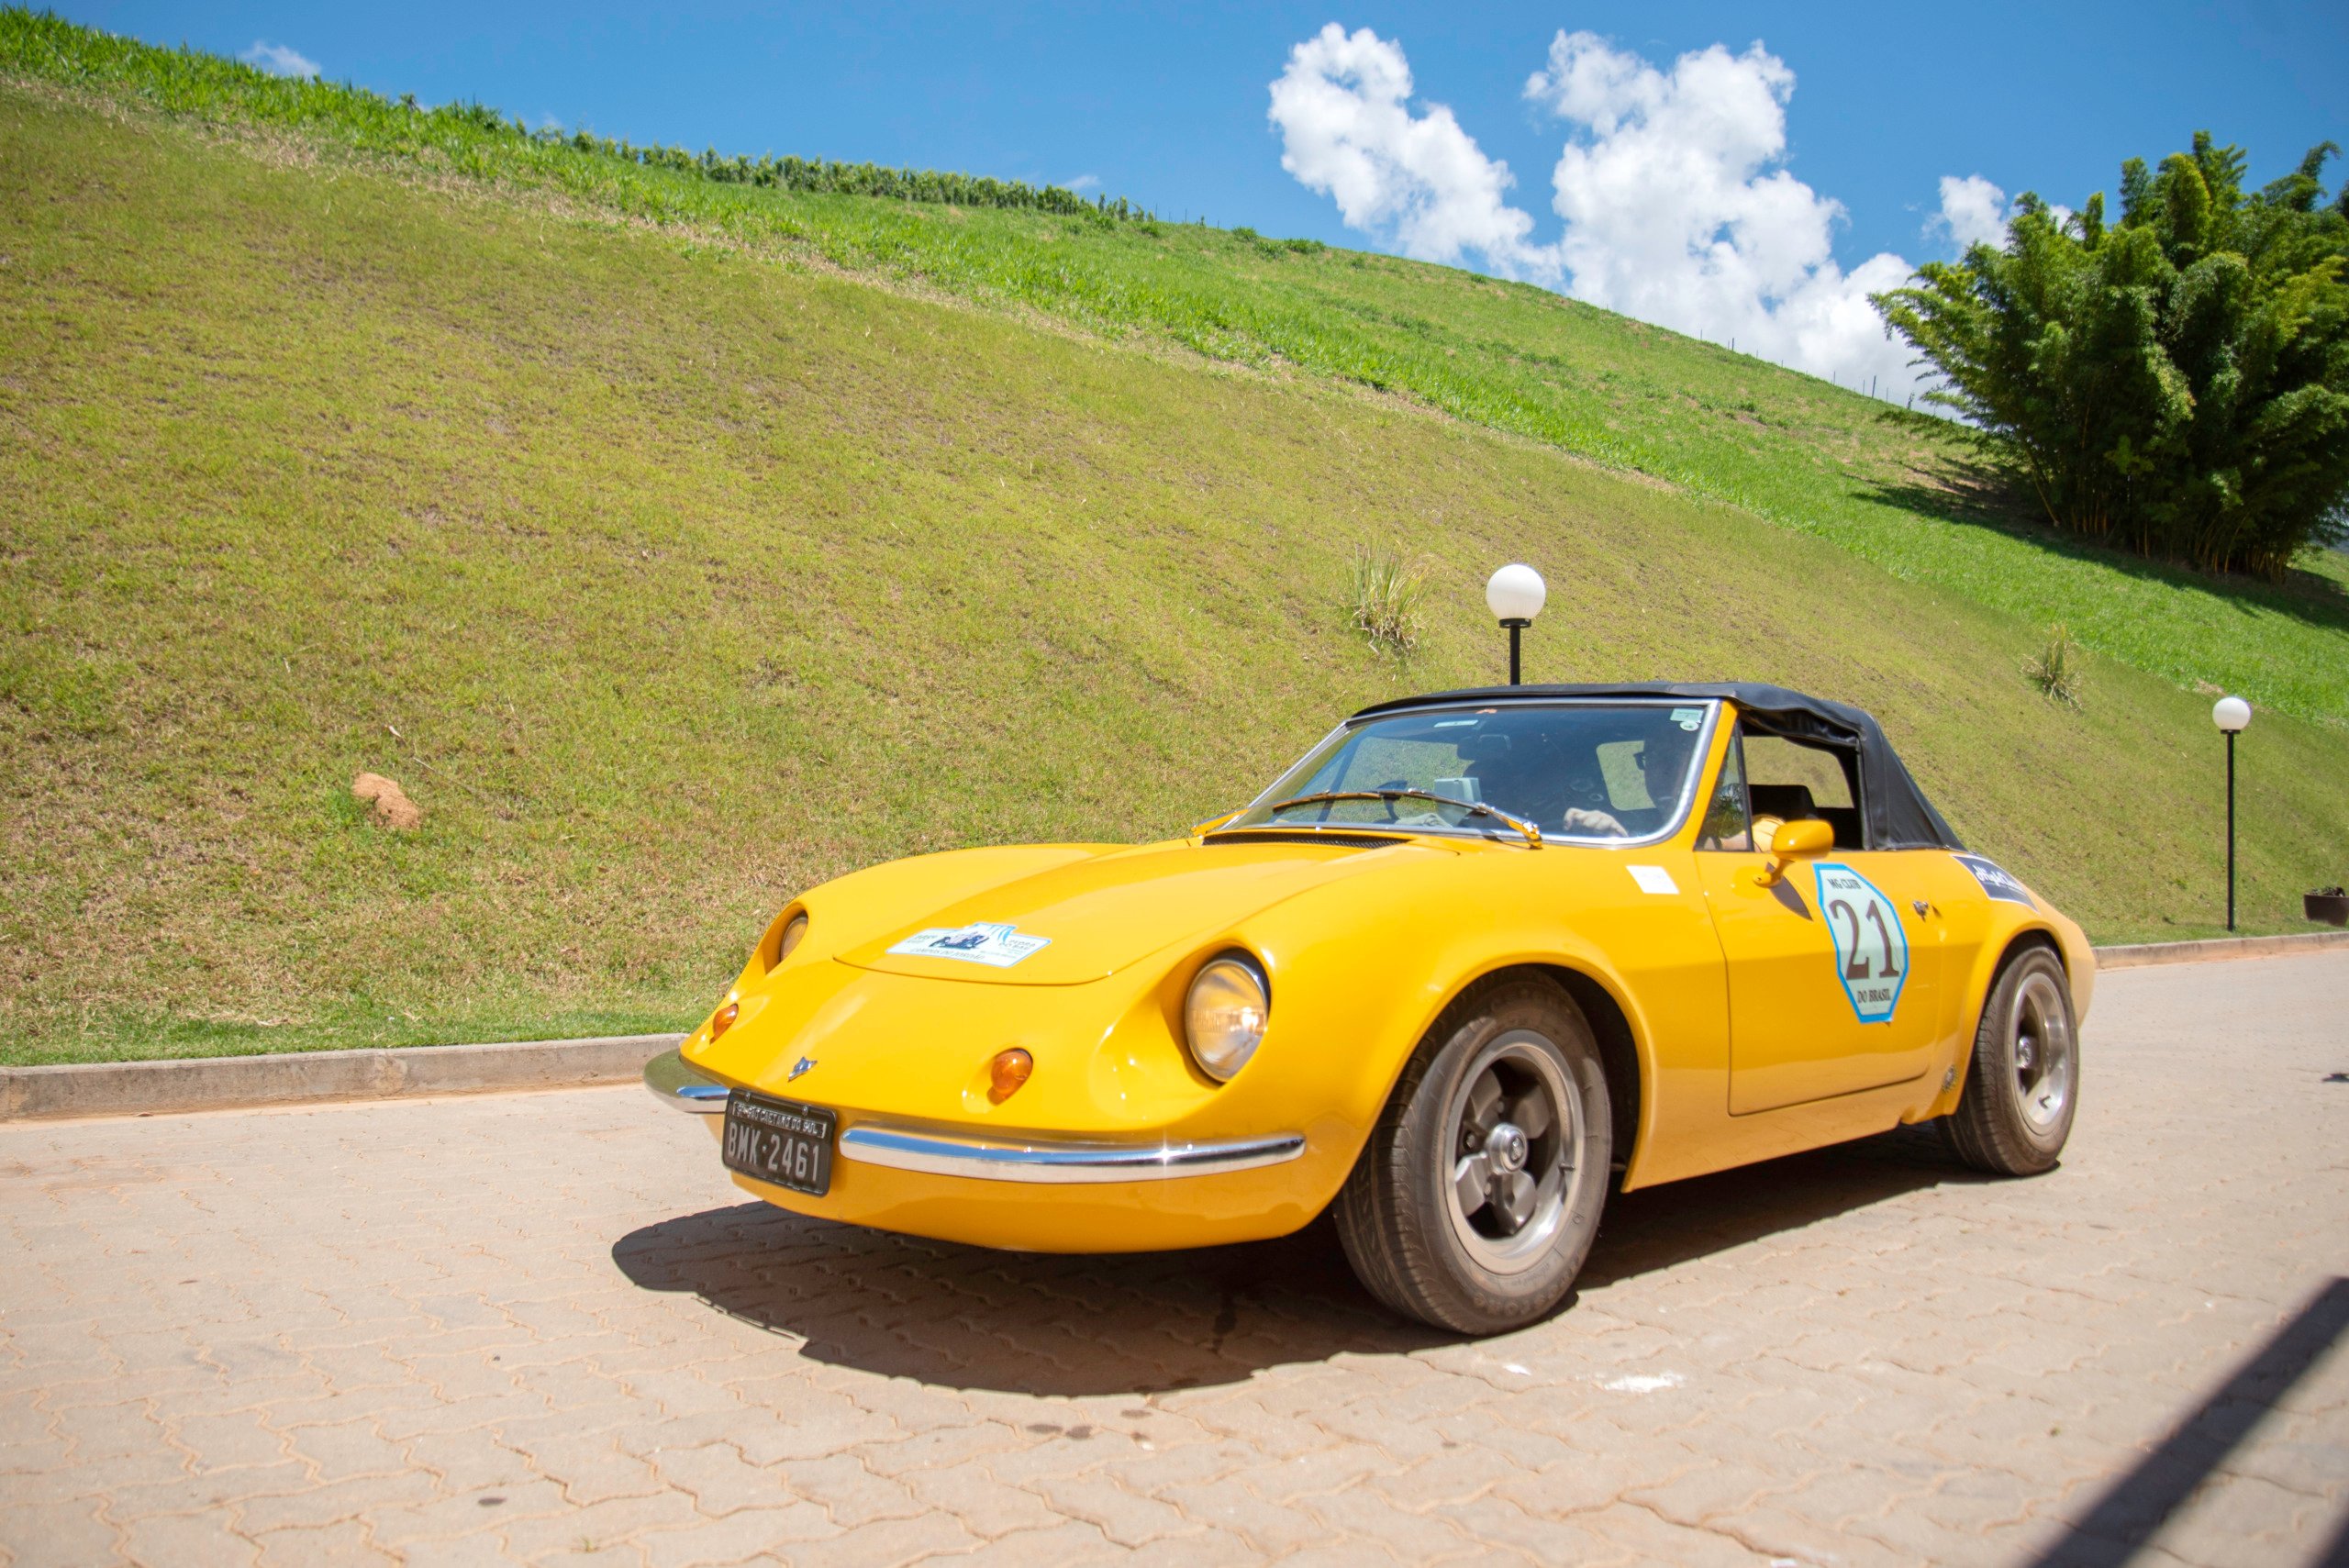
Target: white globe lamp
[(2231, 715), (1515, 594)]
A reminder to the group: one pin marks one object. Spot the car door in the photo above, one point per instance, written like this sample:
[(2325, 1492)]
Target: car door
[(1834, 966)]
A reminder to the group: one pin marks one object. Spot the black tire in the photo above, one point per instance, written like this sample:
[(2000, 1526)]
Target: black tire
[(2022, 1085), (1496, 1050)]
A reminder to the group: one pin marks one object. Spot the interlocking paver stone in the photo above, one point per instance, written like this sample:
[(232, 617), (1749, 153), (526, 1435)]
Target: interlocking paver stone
[(543, 1328), (343, 1543)]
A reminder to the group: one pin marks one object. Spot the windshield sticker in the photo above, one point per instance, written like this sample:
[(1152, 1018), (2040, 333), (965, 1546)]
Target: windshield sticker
[(1688, 717), (1652, 879), (997, 947), (1871, 948), (1996, 881)]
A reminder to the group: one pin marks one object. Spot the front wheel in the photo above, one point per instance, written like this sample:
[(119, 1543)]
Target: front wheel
[(1478, 1198), (2023, 1083)]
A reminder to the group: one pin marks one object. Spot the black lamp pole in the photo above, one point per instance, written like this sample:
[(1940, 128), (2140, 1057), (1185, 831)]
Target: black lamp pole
[(2230, 830), (1516, 629)]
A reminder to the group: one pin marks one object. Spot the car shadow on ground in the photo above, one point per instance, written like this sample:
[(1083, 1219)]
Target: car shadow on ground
[(1657, 1228), (968, 1318)]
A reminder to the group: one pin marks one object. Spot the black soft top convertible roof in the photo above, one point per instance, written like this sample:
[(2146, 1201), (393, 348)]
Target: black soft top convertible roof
[(1895, 811)]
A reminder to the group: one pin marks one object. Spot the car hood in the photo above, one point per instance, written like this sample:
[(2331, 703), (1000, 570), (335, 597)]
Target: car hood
[(1088, 919)]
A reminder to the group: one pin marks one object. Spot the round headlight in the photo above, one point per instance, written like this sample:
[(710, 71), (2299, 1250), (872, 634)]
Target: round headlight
[(1225, 1015), (792, 935)]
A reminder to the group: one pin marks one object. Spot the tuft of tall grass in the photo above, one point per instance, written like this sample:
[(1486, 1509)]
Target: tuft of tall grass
[(1385, 595), (2055, 669)]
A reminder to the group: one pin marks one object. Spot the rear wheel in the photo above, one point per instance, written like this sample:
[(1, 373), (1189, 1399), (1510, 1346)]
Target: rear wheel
[(1478, 1198), (2023, 1083)]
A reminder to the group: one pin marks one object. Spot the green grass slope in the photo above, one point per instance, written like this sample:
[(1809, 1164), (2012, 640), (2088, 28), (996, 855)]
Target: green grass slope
[(669, 580), (1893, 487)]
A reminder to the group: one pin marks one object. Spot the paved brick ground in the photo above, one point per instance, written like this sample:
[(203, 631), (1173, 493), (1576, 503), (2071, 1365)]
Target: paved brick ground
[(542, 1326)]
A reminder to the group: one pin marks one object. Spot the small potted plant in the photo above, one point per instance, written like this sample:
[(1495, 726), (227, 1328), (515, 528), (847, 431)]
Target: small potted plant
[(2329, 905)]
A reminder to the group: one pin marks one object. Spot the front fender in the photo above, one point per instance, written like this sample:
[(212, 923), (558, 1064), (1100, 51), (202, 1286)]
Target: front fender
[(1358, 981)]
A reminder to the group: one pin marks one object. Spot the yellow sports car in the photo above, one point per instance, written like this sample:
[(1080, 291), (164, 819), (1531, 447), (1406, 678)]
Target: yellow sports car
[(1477, 960)]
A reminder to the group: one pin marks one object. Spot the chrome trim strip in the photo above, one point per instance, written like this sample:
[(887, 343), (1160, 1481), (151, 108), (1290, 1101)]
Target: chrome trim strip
[(1064, 1162), (676, 1082)]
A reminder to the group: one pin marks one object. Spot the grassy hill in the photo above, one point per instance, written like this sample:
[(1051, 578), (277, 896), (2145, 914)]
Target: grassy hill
[(1896, 488), (673, 565)]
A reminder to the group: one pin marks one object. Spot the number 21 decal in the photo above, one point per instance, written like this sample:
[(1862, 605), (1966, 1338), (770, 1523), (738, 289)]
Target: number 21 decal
[(1871, 948)]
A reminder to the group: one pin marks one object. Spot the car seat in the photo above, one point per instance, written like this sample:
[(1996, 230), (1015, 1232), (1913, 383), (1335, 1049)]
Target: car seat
[(1793, 803)]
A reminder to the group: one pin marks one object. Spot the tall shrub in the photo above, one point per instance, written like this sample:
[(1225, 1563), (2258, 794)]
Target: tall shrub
[(2177, 382)]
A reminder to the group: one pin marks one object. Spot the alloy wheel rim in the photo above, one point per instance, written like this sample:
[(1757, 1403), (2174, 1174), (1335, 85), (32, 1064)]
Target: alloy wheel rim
[(1514, 1140), (2039, 1034)]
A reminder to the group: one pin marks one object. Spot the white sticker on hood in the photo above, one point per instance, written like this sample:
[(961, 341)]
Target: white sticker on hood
[(996, 946), (1652, 879)]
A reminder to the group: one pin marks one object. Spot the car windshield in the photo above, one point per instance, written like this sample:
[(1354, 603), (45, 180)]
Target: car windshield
[(1604, 772)]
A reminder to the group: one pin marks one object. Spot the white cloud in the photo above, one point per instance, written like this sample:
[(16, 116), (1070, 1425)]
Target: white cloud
[(279, 60), (1081, 183), (1678, 209), (1972, 212), (1419, 180), (1676, 205)]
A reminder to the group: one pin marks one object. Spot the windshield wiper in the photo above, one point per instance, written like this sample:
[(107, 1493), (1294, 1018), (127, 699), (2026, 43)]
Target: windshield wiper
[(1531, 835)]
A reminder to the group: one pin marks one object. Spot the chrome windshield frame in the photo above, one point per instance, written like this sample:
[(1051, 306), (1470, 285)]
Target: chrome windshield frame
[(1690, 781)]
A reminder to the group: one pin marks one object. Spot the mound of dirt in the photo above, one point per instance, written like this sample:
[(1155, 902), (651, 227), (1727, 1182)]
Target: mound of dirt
[(393, 808)]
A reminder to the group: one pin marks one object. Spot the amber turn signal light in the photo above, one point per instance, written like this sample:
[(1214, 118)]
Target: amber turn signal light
[(723, 1020), (1007, 1073)]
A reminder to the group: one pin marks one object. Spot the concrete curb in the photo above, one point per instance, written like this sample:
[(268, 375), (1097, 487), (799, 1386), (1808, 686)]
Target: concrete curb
[(211, 1082), (214, 1082), (2143, 953)]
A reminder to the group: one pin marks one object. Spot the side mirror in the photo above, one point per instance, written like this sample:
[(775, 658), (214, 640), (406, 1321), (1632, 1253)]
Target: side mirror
[(1801, 840), (1212, 823)]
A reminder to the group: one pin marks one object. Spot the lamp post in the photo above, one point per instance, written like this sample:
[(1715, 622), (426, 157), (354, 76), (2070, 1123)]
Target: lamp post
[(1515, 594), (2231, 714)]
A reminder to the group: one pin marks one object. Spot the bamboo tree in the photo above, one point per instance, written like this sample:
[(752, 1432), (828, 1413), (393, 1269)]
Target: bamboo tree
[(2177, 382)]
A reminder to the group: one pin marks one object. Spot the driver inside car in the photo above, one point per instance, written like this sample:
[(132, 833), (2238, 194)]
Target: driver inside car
[(1538, 782), (1591, 805)]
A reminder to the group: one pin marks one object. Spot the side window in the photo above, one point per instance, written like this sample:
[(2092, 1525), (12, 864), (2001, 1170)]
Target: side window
[(1789, 782), (1728, 824)]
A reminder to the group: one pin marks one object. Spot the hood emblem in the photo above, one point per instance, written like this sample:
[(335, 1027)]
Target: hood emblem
[(802, 1065)]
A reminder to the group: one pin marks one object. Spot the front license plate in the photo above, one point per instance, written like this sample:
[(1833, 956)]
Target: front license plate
[(780, 1141)]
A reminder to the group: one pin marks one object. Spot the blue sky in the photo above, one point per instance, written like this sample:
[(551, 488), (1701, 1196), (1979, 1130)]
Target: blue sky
[(1874, 107)]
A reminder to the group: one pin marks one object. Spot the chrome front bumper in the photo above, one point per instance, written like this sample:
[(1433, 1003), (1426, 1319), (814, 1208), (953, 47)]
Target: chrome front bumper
[(1028, 1160), (675, 1081)]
